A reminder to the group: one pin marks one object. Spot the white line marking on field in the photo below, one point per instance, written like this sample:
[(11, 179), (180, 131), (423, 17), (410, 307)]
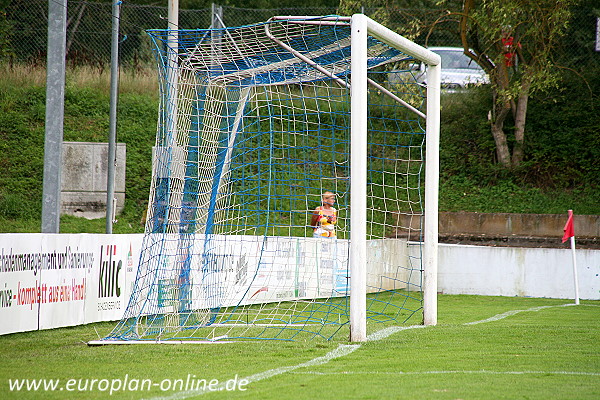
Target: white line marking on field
[(514, 312), (340, 351), (450, 372), (345, 349), (382, 334)]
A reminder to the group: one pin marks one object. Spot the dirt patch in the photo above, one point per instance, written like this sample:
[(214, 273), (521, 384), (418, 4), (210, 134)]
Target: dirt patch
[(519, 241)]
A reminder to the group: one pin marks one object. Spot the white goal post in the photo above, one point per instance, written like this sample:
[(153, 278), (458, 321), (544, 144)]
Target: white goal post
[(362, 26)]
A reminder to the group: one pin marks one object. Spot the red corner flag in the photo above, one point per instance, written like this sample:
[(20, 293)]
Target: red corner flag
[(568, 229)]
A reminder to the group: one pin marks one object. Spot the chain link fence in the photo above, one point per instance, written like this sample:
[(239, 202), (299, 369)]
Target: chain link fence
[(23, 30)]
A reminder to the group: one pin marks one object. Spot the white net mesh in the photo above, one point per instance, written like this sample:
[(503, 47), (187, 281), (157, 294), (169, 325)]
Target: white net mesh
[(252, 146)]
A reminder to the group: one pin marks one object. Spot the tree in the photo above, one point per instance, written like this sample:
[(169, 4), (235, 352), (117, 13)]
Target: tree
[(512, 40)]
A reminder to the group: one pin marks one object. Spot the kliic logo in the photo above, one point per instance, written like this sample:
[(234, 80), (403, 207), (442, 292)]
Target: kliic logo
[(110, 269)]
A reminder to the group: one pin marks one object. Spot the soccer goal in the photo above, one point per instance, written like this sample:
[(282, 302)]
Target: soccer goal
[(294, 185)]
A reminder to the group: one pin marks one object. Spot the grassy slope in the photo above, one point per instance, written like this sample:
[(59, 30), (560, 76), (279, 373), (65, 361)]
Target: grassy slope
[(468, 184), (546, 354), (22, 105)]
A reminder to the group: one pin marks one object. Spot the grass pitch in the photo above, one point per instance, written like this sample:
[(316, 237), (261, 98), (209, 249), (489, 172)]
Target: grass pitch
[(482, 348)]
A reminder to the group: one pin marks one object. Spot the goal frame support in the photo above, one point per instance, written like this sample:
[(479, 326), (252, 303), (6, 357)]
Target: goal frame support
[(362, 26)]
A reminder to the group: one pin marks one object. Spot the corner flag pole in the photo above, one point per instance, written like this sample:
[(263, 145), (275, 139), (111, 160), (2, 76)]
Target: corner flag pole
[(570, 234), (575, 270)]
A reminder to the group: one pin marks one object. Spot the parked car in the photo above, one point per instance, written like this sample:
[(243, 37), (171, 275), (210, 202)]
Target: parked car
[(458, 70)]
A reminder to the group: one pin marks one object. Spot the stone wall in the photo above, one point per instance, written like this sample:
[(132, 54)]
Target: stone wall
[(526, 230), (84, 177)]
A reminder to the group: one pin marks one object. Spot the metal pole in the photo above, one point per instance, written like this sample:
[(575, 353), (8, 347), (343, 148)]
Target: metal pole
[(55, 107), (112, 133), (216, 20), (172, 72)]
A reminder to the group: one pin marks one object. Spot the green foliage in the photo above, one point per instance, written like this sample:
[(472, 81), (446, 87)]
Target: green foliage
[(6, 51), (559, 172), (537, 26), (563, 146), (466, 146), (17, 206), (21, 151), (461, 193)]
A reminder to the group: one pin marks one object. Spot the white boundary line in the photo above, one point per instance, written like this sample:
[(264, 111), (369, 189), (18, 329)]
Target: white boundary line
[(340, 351), (345, 349), (514, 312), (451, 372)]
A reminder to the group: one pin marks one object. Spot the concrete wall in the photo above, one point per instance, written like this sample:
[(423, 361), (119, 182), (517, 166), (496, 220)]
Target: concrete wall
[(517, 271), (85, 169), (504, 228), (506, 224)]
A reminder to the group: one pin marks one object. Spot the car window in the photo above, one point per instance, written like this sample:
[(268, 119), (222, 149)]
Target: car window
[(456, 60)]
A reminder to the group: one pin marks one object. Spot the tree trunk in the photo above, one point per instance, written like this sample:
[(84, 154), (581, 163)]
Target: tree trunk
[(501, 108), (502, 150), (520, 116)]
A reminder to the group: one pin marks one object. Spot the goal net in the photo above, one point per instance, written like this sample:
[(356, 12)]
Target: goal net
[(287, 184)]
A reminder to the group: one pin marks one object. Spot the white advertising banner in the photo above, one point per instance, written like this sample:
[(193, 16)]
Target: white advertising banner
[(53, 280)]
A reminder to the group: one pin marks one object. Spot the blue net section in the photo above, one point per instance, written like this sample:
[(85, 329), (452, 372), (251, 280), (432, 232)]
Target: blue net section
[(247, 231)]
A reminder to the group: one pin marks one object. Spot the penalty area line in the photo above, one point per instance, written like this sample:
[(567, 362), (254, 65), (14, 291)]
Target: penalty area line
[(341, 351), (345, 349)]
